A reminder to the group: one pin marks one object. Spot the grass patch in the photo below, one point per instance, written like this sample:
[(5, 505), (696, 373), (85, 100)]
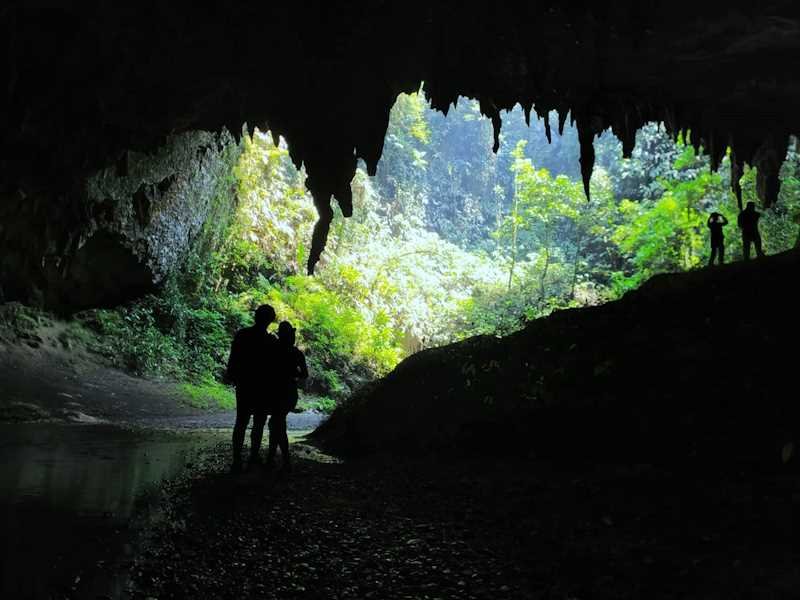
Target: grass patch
[(208, 395), (323, 404)]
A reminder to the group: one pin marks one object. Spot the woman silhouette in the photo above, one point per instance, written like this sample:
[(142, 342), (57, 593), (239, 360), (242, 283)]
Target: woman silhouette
[(292, 370)]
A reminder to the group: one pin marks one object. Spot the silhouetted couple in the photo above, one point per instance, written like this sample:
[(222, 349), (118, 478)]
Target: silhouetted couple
[(748, 223), (266, 371)]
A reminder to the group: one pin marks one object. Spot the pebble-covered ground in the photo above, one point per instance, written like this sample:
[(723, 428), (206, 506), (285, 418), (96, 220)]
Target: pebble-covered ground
[(466, 529)]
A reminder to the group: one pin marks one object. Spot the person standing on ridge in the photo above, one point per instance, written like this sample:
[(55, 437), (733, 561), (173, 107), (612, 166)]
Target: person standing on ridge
[(748, 223), (251, 367), (715, 223), (291, 372)]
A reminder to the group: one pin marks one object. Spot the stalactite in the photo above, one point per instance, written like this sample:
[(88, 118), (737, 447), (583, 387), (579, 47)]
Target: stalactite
[(323, 184), (767, 161), (562, 120), (716, 151), (295, 155), (625, 133), (497, 123), (371, 148), (671, 123), (489, 109), (586, 140), (344, 198), (544, 114), (695, 137), (321, 229), (547, 132), (737, 169)]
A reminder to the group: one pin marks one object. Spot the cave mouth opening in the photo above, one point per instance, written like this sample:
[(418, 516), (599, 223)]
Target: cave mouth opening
[(161, 257), (450, 239), (447, 240)]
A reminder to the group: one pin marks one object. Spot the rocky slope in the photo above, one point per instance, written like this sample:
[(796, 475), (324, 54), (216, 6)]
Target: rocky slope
[(698, 365)]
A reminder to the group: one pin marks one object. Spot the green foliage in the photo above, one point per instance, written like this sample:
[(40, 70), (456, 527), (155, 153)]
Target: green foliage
[(19, 321), (331, 326), (447, 241), (549, 233), (324, 404), (669, 234), (209, 394)]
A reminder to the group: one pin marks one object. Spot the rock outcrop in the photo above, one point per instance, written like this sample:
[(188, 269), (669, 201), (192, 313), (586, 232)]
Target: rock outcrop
[(691, 366), (132, 225)]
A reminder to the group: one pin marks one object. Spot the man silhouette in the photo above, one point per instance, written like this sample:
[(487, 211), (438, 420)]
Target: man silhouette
[(250, 366), (715, 223), (748, 223)]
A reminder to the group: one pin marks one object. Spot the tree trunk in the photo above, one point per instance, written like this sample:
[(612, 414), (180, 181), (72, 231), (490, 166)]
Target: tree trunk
[(578, 241), (514, 227), (543, 279)]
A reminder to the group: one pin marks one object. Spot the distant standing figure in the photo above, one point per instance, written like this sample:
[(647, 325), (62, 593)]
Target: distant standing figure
[(715, 223), (251, 363), (292, 370), (748, 223)]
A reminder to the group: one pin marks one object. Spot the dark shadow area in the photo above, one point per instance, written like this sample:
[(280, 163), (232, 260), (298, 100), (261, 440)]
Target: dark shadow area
[(105, 272), (472, 528), (73, 502)]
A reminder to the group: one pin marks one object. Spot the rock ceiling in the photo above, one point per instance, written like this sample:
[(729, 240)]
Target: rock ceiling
[(86, 81)]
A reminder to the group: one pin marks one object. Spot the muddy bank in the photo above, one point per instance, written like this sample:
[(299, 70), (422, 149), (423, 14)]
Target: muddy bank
[(42, 379), (48, 375)]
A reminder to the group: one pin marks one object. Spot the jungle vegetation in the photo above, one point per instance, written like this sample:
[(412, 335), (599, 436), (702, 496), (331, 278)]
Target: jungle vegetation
[(448, 240)]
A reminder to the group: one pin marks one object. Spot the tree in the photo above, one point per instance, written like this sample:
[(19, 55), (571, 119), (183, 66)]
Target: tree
[(543, 207), (669, 234)]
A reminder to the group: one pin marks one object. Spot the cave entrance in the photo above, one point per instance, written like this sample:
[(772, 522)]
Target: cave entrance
[(447, 240), (450, 239)]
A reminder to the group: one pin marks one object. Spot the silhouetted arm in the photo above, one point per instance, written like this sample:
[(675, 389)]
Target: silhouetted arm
[(302, 367), (724, 220), (233, 359)]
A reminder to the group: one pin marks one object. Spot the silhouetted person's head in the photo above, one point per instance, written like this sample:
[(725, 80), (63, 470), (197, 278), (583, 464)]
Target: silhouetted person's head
[(265, 315), (286, 333), (751, 206)]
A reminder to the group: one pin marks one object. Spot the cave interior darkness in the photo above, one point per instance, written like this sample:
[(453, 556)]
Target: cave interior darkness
[(87, 83)]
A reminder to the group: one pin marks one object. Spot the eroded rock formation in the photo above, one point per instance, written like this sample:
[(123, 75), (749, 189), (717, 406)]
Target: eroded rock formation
[(687, 367), (133, 224), (86, 82)]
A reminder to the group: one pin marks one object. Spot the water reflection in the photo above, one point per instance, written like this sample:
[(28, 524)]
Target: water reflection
[(66, 497)]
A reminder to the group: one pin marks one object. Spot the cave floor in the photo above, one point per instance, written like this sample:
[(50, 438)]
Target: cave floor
[(130, 515), (469, 528), (84, 448), (99, 511)]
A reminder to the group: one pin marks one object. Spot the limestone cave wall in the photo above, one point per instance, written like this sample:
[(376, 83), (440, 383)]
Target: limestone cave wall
[(131, 225)]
